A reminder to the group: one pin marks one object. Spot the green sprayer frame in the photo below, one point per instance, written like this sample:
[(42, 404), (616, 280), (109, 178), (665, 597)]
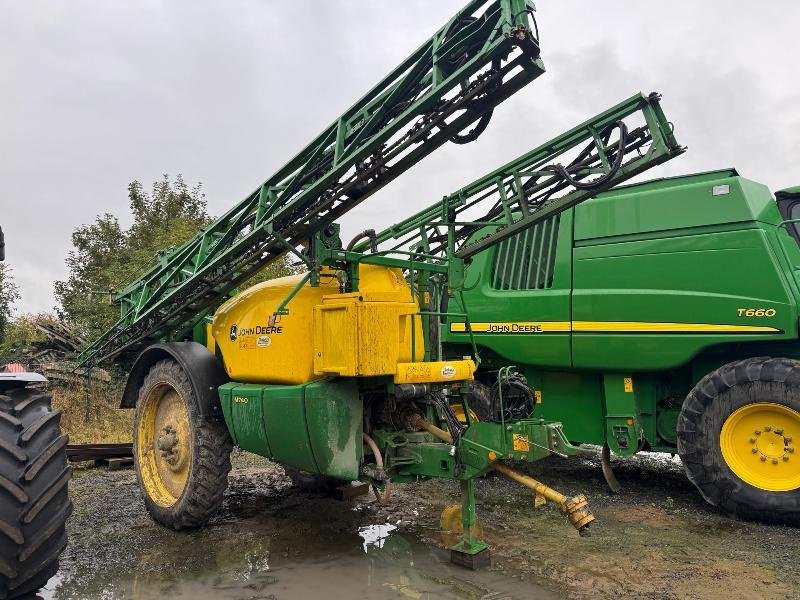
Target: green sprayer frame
[(482, 56)]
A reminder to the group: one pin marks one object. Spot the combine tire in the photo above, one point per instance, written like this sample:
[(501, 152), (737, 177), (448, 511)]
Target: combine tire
[(34, 503), (739, 439), (182, 459)]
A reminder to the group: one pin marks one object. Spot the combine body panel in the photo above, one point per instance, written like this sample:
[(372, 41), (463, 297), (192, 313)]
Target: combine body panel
[(646, 277), (325, 333), (615, 310)]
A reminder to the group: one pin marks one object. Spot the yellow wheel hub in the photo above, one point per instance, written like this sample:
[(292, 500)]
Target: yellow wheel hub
[(758, 443), (163, 445)]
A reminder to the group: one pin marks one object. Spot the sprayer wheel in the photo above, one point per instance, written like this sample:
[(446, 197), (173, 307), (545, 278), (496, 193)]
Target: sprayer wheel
[(182, 459)]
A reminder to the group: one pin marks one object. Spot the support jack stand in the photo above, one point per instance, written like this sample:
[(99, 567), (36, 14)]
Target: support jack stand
[(470, 552)]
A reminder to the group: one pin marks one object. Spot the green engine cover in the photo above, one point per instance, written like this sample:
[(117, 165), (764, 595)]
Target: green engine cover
[(316, 427)]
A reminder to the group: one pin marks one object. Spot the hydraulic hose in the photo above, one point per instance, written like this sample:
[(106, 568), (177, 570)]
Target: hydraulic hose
[(564, 172), (387, 492), (366, 234)]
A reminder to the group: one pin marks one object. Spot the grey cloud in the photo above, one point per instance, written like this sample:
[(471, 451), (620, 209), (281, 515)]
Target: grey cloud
[(98, 93)]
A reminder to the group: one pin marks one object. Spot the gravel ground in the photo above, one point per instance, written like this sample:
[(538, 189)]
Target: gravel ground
[(655, 539)]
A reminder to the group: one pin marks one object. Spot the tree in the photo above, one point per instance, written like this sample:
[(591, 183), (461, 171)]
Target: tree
[(9, 293), (106, 258)]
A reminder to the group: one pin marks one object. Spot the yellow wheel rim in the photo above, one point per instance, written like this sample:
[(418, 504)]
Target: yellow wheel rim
[(758, 443), (163, 445)]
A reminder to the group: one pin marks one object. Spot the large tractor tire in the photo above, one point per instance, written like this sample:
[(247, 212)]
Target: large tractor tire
[(182, 459), (738, 438), (34, 501)]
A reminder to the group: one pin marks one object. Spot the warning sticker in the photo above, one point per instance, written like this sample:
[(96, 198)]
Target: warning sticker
[(521, 443), (247, 342), (627, 384)]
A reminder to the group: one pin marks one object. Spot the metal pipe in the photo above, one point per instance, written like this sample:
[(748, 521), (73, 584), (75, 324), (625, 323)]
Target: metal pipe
[(576, 508)]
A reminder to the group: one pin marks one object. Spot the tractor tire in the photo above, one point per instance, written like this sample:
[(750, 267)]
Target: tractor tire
[(34, 500), (738, 434), (480, 400), (312, 482), (182, 459)]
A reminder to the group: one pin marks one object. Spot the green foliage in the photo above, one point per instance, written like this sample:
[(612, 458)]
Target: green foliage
[(106, 257), (9, 293), (21, 335)]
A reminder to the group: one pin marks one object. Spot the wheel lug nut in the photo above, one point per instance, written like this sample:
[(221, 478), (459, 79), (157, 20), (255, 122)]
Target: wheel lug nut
[(768, 428), (754, 450), (774, 461), (763, 458), (779, 431), (752, 440), (787, 438), (785, 457), (757, 432), (790, 449)]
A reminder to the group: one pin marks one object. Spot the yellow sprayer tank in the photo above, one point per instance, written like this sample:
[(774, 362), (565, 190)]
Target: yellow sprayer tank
[(326, 333)]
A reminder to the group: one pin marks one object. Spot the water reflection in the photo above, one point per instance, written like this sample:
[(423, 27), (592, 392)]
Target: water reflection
[(296, 557)]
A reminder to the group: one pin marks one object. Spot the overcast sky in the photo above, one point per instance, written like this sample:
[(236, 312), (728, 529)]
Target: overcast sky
[(98, 93)]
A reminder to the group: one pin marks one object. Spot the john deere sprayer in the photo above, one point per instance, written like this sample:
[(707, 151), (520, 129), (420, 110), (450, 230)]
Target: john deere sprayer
[(349, 370)]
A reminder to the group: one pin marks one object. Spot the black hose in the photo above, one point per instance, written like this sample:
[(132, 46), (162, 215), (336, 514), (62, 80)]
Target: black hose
[(564, 172), (368, 234), (518, 399)]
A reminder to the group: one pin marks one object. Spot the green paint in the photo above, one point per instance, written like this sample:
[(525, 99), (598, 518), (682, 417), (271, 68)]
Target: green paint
[(315, 427), (697, 249)]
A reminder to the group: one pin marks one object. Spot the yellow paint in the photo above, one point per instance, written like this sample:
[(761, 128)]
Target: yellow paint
[(627, 384), (164, 476), (210, 343), (758, 443), (648, 327), (533, 327), (435, 372), (537, 394), (355, 337), (325, 332), (458, 411), (521, 443)]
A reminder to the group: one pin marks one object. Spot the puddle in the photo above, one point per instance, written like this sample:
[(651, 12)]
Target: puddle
[(270, 558)]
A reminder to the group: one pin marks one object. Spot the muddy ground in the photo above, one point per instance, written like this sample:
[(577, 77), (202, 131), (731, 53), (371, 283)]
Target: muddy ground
[(655, 539)]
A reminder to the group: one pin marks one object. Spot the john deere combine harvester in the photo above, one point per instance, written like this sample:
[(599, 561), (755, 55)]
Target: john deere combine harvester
[(341, 371)]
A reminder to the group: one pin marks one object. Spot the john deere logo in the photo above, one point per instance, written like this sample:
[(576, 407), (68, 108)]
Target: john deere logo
[(233, 333), (448, 371)]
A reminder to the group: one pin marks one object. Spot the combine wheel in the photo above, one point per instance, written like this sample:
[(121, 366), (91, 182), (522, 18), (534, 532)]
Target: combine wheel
[(34, 504), (738, 437), (182, 459)]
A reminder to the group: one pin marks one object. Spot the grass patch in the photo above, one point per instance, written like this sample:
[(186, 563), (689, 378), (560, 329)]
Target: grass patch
[(91, 415)]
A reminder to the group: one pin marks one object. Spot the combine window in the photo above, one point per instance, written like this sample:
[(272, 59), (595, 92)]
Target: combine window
[(526, 261), (789, 206)]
